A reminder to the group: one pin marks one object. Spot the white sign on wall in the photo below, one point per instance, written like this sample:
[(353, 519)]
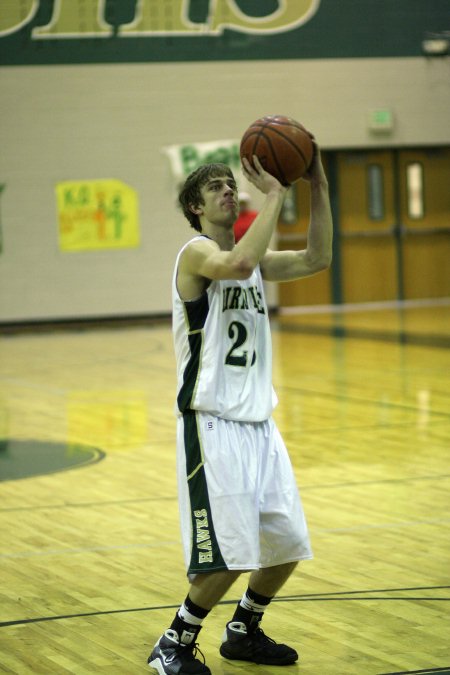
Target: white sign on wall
[(186, 158)]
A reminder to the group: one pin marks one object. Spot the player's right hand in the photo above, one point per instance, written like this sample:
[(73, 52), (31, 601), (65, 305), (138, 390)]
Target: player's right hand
[(260, 178)]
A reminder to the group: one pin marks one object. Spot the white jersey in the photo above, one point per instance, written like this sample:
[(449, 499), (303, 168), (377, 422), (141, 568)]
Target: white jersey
[(223, 349)]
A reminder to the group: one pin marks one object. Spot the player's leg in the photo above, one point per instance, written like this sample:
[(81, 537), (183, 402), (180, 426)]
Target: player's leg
[(284, 541), (178, 647), (269, 580), (207, 589), (215, 533), (243, 638)]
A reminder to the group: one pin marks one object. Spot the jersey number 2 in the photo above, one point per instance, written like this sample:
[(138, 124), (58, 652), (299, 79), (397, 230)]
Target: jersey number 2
[(238, 332)]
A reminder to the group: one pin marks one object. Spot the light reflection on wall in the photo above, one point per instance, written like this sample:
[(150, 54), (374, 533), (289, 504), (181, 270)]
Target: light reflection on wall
[(423, 404)]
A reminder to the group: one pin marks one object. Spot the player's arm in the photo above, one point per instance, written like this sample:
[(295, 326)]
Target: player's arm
[(288, 265)]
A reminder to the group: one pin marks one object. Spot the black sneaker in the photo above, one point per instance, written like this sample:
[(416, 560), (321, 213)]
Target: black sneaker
[(172, 657), (239, 645)]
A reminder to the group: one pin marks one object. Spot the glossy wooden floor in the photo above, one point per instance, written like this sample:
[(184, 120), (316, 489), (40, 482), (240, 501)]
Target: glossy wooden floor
[(90, 561)]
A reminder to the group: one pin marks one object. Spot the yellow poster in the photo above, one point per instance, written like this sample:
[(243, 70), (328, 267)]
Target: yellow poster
[(97, 214)]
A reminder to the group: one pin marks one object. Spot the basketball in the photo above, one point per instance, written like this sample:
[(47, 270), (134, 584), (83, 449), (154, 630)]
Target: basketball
[(281, 144)]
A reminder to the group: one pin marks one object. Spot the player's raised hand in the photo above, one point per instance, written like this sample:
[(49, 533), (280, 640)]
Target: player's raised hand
[(315, 171), (260, 178)]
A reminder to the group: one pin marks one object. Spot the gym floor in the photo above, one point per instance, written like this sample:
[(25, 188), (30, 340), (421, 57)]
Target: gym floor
[(91, 570)]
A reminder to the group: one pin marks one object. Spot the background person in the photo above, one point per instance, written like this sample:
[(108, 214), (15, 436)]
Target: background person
[(246, 216)]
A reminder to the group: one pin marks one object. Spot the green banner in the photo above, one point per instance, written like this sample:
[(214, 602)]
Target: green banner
[(108, 31)]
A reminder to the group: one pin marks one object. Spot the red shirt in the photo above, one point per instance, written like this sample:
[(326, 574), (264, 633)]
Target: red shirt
[(243, 222)]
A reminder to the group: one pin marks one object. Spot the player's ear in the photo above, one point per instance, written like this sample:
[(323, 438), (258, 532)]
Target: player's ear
[(195, 209)]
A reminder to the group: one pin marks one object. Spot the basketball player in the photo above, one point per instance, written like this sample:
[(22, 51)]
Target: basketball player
[(239, 504)]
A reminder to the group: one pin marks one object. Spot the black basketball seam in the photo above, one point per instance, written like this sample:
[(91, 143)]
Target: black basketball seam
[(280, 170), (246, 138), (260, 134), (299, 150)]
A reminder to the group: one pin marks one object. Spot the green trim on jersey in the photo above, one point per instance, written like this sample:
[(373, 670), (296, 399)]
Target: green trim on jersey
[(196, 313), (206, 555)]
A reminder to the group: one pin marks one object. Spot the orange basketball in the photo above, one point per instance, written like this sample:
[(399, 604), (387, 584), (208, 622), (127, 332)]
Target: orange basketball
[(281, 144)]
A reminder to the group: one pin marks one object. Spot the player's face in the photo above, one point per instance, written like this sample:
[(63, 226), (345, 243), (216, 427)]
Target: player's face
[(220, 200)]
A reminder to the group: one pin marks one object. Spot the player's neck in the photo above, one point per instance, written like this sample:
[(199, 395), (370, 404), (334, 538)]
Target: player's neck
[(222, 235)]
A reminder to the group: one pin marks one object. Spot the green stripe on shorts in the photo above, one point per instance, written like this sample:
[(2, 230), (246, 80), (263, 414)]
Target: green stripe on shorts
[(206, 555)]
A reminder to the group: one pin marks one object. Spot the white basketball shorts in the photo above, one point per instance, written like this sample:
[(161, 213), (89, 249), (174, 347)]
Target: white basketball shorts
[(239, 504)]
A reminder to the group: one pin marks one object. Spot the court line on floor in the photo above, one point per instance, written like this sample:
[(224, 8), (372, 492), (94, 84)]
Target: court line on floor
[(427, 671), (343, 332), (358, 399), (373, 306), (87, 549), (81, 505), (144, 500), (313, 597), (383, 526), (380, 481), (127, 547)]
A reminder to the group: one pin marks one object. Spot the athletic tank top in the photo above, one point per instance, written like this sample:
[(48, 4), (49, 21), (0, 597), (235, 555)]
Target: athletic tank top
[(223, 349)]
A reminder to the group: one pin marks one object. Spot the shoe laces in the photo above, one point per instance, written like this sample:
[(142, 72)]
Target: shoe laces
[(191, 652), (260, 634), (261, 638)]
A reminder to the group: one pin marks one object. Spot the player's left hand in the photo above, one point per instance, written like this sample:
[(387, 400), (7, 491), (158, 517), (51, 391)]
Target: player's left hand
[(316, 171)]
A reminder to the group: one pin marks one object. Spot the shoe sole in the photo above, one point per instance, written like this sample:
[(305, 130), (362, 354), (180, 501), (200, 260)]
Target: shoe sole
[(157, 665), (232, 657)]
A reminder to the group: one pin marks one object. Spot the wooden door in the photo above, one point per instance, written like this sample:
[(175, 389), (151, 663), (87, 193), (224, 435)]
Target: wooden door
[(392, 228), (291, 234), (425, 222), (366, 220)]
